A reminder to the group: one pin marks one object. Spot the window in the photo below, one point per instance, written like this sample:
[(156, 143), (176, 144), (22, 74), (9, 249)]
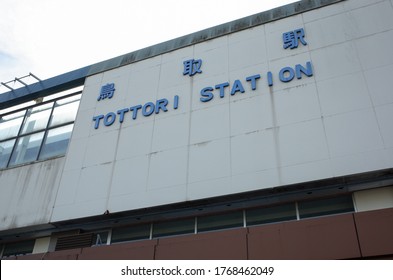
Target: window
[(10, 124), (56, 141), (131, 233), (65, 110), (174, 227), (37, 118), (19, 248), (38, 132), (313, 208), (26, 149), (228, 220), (5, 152), (271, 214)]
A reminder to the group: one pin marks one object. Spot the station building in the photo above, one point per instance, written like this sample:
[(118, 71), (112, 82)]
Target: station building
[(269, 137)]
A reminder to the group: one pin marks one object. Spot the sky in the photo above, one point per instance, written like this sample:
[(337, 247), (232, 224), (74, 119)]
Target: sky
[(52, 37)]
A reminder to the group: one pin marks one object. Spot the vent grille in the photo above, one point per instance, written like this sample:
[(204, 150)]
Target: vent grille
[(74, 241)]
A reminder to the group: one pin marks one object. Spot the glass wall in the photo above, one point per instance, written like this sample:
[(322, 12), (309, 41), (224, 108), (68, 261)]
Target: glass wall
[(38, 132)]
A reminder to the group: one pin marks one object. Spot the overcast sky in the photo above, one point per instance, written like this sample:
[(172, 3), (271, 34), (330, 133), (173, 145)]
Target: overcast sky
[(52, 37)]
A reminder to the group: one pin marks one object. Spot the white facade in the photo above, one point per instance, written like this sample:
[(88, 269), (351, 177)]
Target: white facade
[(335, 123)]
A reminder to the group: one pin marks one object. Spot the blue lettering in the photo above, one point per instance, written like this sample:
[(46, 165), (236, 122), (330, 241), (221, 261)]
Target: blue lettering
[(148, 109), (176, 102), (221, 87), (134, 111), (237, 86), (207, 94), (253, 81), (286, 77), (300, 69), (161, 104), (109, 119), (121, 113), (97, 119), (269, 78)]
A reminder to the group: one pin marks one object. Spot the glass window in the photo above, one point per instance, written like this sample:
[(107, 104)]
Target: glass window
[(20, 248), (174, 227), (10, 125), (40, 132), (206, 223), (5, 152), (65, 110), (56, 142), (271, 214), (37, 118), (328, 206), (131, 233), (27, 148)]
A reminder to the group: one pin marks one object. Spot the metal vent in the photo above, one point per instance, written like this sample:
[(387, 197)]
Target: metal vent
[(74, 241)]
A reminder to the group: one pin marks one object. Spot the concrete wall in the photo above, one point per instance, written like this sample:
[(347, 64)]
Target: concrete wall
[(335, 123), (28, 193)]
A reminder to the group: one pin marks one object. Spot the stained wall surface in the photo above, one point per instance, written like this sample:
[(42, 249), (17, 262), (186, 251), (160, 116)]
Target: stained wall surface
[(336, 122), (28, 193)]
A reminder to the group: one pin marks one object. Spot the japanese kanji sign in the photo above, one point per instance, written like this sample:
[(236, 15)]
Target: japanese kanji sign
[(291, 39), (107, 91), (192, 66)]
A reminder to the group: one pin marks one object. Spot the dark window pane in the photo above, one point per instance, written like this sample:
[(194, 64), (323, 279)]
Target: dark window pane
[(56, 142), (328, 206), (271, 214), (27, 149), (20, 248), (174, 227), (5, 152), (206, 223), (130, 233), (10, 124), (37, 118)]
